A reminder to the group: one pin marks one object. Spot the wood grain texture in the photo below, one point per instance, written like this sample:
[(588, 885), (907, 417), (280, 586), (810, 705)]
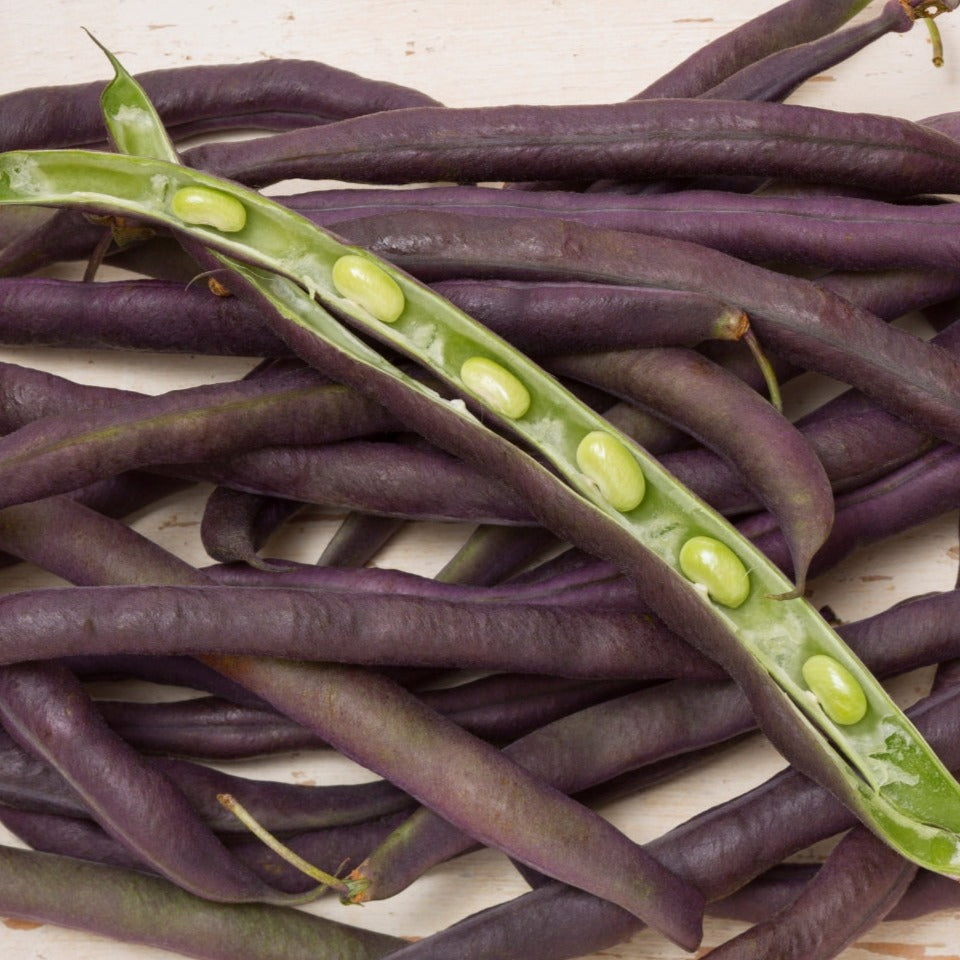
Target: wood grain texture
[(497, 52)]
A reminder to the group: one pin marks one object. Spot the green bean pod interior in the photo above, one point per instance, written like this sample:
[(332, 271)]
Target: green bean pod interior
[(314, 279)]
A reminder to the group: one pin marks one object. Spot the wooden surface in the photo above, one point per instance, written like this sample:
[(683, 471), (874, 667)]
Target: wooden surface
[(533, 51)]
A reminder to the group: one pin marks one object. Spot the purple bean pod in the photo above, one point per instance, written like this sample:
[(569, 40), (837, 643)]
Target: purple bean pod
[(373, 629), (358, 539), (236, 524), (839, 232), (924, 488), (588, 584), (452, 762), (45, 710), (783, 26), (499, 708), (666, 720), (493, 553), (383, 477), (164, 316), (592, 746), (632, 140), (73, 449), (858, 885), (134, 907), (200, 98), (30, 783), (780, 73)]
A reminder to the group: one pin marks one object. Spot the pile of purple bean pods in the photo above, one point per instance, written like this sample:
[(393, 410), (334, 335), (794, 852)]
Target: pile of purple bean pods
[(504, 701)]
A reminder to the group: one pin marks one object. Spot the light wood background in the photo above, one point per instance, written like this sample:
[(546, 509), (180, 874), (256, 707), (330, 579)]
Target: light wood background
[(532, 51)]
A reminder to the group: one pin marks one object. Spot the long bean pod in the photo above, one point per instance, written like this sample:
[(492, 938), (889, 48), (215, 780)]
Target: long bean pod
[(631, 141), (137, 908), (784, 26), (206, 97)]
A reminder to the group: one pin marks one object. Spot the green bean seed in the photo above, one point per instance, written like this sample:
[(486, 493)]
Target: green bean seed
[(837, 690), (714, 565), (613, 468), (368, 285), (203, 206), (496, 386)]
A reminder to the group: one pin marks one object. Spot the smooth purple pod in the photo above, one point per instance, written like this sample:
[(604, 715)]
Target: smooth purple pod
[(783, 26), (202, 98), (631, 141)]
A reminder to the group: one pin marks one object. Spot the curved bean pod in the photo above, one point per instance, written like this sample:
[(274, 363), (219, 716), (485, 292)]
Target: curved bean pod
[(858, 885), (631, 141), (924, 488), (236, 524), (137, 908), (202, 98), (774, 458), (784, 26), (777, 75), (45, 709)]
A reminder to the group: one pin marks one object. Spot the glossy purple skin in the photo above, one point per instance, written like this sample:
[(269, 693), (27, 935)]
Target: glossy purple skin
[(858, 885), (199, 98), (631, 141), (367, 628), (784, 26), (163, 316), (777, 75)]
